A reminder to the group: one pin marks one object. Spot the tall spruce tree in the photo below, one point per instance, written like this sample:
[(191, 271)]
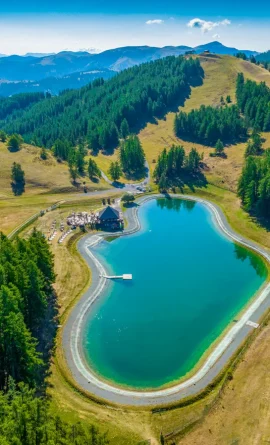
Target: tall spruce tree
[(93, 170), (115, 171), (17, 179), (132, 156)]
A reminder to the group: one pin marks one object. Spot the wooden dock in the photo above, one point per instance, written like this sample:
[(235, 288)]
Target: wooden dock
[(126, 276)]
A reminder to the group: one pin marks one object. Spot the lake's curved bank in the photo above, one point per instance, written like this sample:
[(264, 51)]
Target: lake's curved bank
[(213, 364)]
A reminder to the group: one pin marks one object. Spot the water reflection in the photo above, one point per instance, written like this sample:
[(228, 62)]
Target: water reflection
[(175, 204), (243, 254)]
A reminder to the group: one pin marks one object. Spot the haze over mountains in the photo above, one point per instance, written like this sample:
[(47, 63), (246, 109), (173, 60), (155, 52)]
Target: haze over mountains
[(55, 72)]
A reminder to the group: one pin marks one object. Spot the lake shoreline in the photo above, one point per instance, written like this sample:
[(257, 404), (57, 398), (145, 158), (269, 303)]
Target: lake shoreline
[(227, 346)]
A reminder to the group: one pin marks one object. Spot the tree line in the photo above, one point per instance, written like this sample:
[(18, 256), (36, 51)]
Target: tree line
[(29, 420), (254, 184), (172, 164), (253, 100), (101, 113), (26, 300), (207, 125)]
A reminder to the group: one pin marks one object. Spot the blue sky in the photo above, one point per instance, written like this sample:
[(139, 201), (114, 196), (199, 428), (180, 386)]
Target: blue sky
[(51, 26)]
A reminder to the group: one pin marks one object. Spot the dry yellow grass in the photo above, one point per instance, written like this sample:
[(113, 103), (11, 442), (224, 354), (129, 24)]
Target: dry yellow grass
[(104, 161), (47, 182), (242, 415), (41, 175)]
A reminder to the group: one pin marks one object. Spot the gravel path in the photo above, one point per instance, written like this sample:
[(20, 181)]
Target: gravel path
[(214, 362)]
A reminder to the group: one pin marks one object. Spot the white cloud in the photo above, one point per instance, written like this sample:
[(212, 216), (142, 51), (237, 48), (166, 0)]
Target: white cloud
[(225, 22), (154, 22), (216, 36), (206, 25)]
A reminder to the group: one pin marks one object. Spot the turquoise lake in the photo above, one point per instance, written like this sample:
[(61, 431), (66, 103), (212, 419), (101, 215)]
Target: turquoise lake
[(189, 282)]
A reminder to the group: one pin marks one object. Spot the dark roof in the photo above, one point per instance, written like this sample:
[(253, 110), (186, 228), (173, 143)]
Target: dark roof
[(109, 213)]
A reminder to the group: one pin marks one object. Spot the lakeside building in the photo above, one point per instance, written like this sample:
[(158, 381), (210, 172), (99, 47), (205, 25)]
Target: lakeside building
[(110, 218)]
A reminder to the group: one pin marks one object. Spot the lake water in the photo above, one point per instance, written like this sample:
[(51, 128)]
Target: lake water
[(189, 282)]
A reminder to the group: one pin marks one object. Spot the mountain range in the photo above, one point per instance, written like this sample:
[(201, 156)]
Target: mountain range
[(55, 72)]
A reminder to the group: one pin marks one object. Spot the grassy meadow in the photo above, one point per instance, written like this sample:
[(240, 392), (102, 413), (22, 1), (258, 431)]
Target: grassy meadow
[(47, 182)]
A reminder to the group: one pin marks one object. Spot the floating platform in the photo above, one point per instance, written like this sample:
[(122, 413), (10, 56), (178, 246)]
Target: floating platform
[(126, 276)]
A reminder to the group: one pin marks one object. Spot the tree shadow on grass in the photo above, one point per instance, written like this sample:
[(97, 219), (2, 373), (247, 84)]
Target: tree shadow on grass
[(261, 221), (139, 175), (118, 185), (94, 179), (222, 155), (193, 181), (13, 149)]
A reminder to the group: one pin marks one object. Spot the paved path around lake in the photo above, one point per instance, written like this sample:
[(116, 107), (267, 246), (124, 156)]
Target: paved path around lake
[(214, 363)]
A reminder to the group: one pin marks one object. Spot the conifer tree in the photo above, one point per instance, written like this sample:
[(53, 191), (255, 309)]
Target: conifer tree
[(115, 171), (219, 148), (14, 142), (93, 170), (3, 136), (18, 179), (124, 128), (132, 156)]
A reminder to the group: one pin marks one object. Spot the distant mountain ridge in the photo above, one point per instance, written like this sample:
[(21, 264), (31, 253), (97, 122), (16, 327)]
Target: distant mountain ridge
[(27, 72), (33, 67), (38, 54), (263, 57), (53, 84)]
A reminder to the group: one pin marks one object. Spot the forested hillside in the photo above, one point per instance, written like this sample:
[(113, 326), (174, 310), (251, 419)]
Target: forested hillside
[(254, 185), (19, 102), (28, 318), (96, 112), (253, 100), (27, 309)]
